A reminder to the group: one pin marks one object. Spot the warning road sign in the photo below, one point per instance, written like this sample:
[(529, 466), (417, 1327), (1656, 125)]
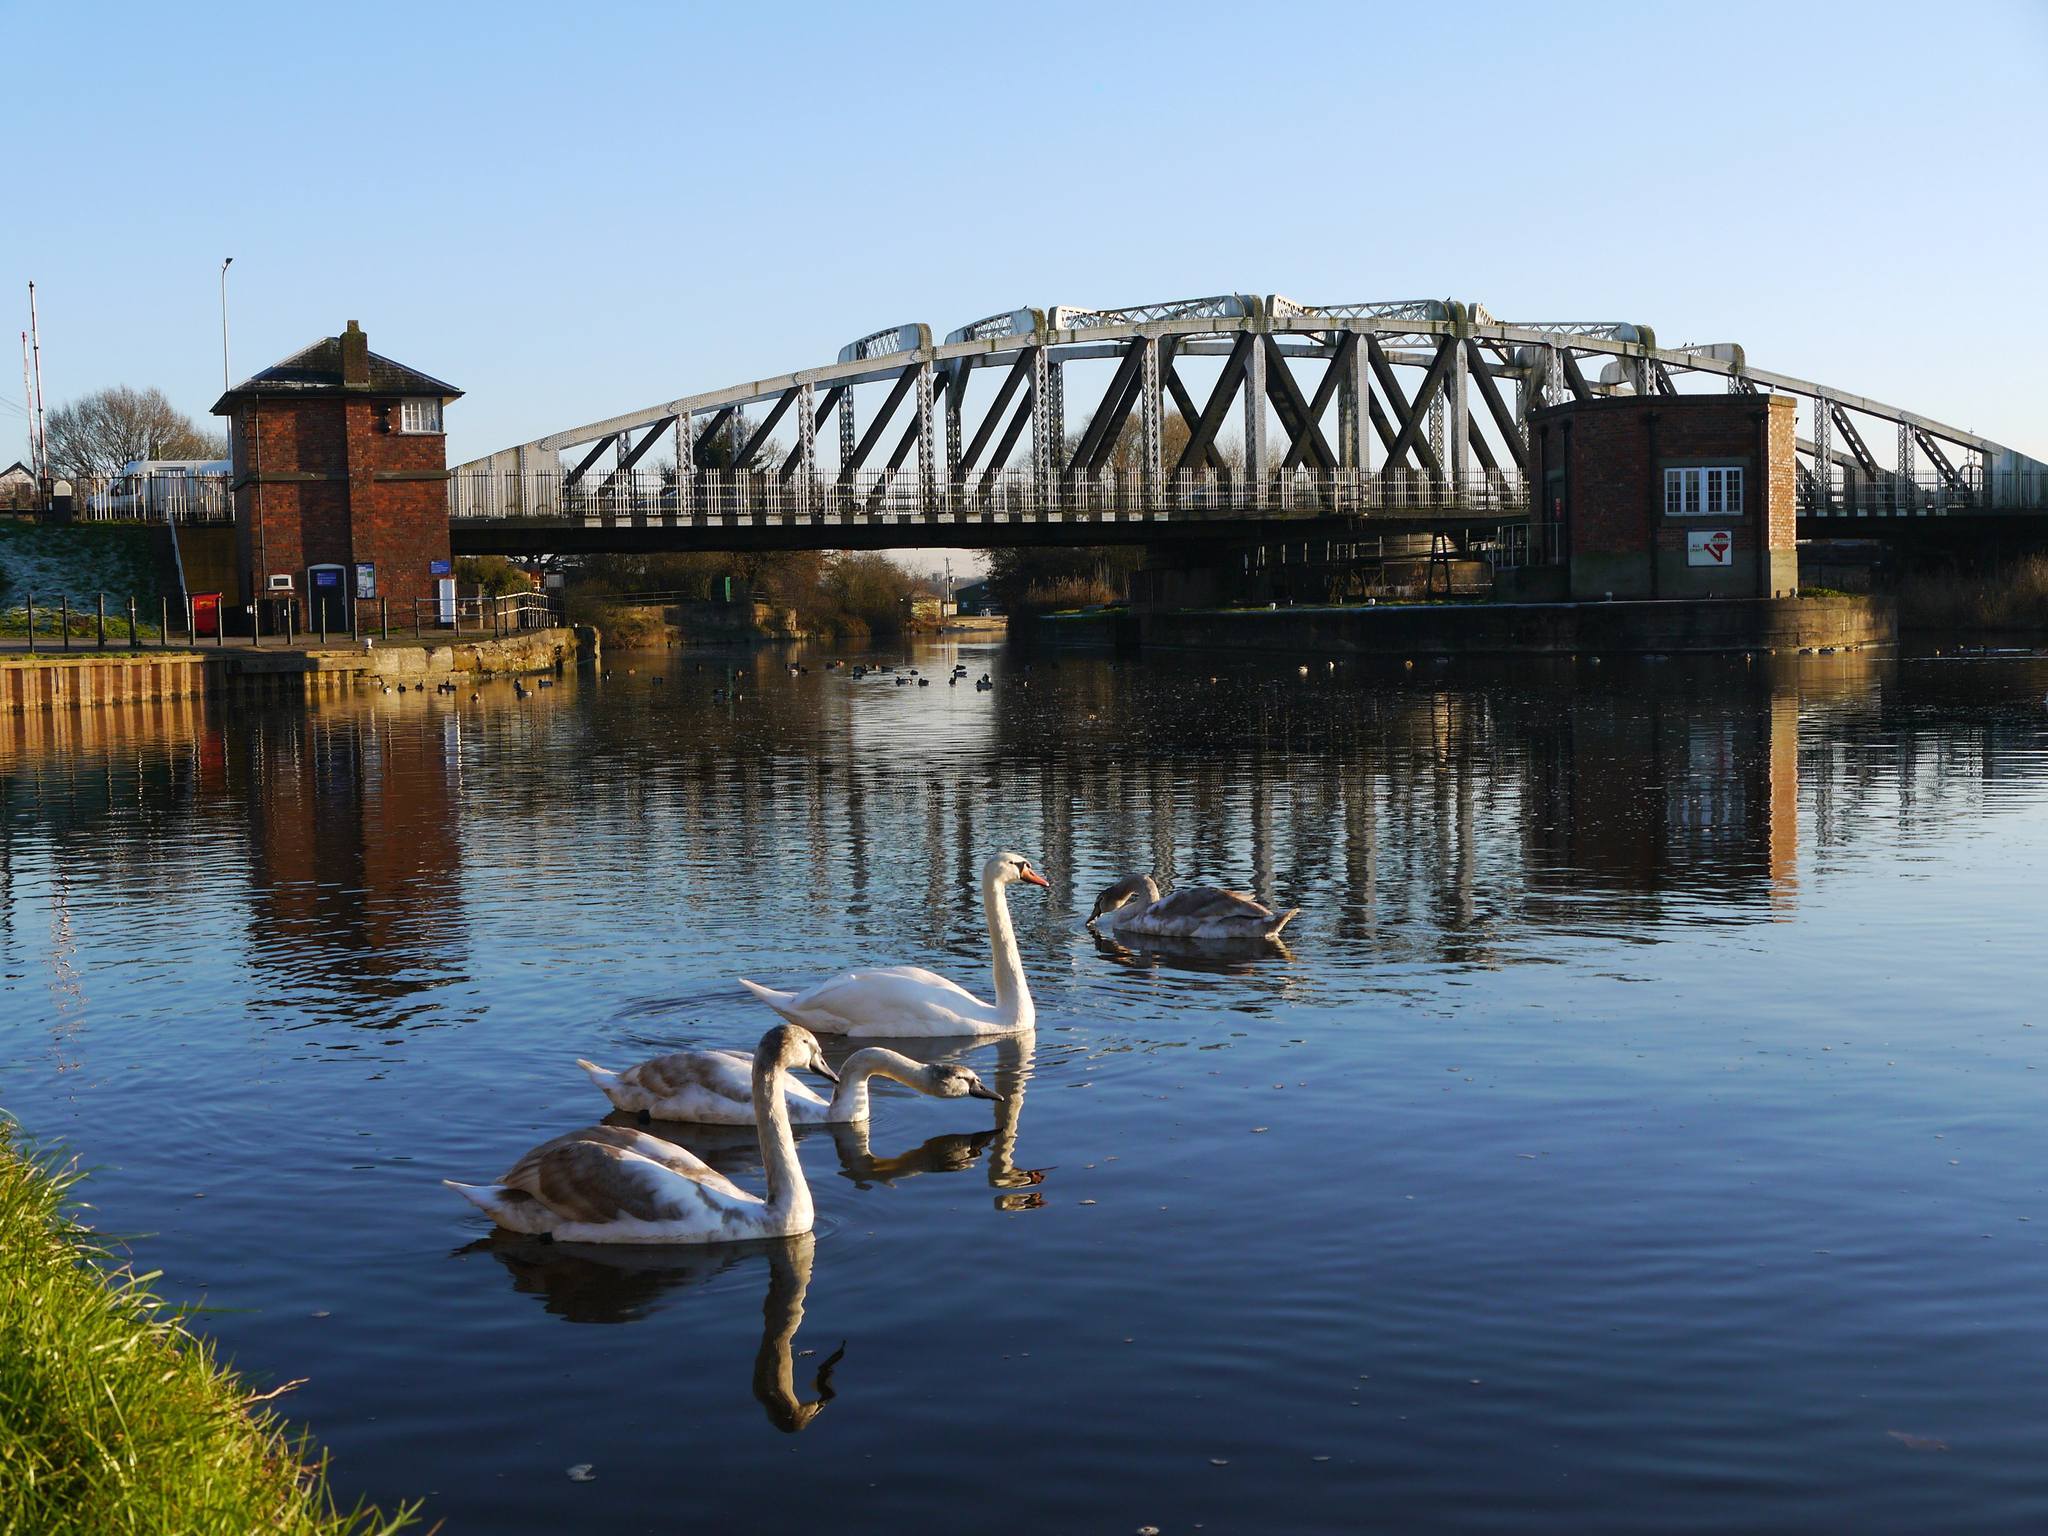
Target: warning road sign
[(1708, 546)]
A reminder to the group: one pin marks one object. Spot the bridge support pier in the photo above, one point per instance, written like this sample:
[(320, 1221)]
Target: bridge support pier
[(807, 447), (1045, 452), (927, 447), (1255, 423), (1354, 402), (1150, 408), (1457, 460)]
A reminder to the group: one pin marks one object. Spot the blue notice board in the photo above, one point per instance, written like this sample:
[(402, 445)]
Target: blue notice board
[(439, 568)]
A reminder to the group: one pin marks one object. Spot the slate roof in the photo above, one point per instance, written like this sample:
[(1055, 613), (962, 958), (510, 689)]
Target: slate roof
[(316, 370)]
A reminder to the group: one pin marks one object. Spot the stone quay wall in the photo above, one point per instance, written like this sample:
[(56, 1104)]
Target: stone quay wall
[(84, 680)]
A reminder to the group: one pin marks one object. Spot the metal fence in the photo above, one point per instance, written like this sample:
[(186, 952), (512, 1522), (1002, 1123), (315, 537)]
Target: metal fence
[(1890, 495), (160, 496), (1517, 546), (56, 622), (758, 497)]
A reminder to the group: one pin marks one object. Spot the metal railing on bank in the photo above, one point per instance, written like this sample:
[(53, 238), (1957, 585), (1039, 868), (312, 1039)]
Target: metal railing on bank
[(728, 497), (132, 623), (56, 623), (1518, 546), (156, 496)]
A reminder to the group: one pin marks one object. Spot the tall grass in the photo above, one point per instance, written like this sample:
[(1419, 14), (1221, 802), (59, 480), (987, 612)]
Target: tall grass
[(114, 1420), (2009, 596), (1068, 592)]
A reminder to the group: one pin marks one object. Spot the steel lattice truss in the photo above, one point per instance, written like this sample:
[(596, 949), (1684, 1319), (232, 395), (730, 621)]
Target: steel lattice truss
[(1381, 408)]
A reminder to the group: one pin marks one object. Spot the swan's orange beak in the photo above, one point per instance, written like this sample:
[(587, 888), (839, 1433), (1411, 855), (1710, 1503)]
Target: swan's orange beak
[(1031, 876)]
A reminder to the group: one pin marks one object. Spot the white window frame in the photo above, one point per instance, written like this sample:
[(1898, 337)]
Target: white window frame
[(420, 406), (1703, 490)]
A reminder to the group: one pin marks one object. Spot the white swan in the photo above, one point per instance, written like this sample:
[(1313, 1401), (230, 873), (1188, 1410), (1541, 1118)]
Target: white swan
[(713, 1087), (1134, 906), (608, 1184), (907, 1001)]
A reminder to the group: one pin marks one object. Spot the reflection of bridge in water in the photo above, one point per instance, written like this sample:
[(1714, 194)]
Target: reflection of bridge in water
[(1232, 417), (1457, 814)]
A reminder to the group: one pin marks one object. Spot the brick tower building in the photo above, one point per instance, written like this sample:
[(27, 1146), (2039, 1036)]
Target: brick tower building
[(340, 483), (1667, 496)]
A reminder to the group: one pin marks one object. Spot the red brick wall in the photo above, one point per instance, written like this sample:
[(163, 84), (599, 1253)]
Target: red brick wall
[(1782, 481), (1613, 453), (399, 525), (350, 508)]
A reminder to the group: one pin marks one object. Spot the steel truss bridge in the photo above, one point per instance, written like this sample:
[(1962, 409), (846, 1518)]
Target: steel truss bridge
[(1410, 414)]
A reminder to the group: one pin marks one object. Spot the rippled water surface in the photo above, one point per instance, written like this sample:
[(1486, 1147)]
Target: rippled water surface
[(1642, 1130)]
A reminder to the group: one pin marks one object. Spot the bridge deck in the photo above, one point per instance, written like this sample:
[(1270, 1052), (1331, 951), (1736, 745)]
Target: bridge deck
[(522, 536)]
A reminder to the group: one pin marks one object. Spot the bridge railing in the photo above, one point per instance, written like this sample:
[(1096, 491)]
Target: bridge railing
[(1892, 495), (764, 497)]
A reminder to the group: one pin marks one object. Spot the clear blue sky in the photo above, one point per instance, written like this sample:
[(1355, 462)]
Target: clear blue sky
[(571, 210)]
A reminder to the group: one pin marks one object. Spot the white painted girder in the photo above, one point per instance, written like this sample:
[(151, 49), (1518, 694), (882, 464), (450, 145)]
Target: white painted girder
[(1105, 341)]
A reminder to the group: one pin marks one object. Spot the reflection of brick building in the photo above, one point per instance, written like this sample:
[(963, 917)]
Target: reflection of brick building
[(340, 471), (355, 854), (1667, 495), (1666, 787)]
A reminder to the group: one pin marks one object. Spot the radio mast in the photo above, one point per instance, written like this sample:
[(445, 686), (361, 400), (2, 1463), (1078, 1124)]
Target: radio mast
[(41, 436)]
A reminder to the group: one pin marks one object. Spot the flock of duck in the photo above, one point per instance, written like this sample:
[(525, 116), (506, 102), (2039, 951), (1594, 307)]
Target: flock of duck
[(617, 1184)]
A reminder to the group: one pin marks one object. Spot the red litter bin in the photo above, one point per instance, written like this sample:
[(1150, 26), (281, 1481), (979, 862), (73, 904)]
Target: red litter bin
[(205, 613)]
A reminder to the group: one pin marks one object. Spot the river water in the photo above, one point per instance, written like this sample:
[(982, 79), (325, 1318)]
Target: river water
[(1641, 1131)]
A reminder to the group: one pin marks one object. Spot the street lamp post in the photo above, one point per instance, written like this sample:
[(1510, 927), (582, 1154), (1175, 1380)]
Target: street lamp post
[(225, 382)]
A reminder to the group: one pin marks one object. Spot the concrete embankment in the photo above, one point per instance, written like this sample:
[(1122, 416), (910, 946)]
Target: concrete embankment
[(1732, 624), (84, 679)]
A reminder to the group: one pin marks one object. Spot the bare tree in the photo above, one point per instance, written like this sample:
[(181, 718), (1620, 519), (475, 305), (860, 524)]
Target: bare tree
[(97, 434)]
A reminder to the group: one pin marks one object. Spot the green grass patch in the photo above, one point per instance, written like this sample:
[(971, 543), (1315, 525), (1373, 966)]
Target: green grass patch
[(114, 1419), (78, 561), (50, 624)]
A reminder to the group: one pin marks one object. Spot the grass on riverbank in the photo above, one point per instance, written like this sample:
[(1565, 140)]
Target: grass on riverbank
[(114, 1418), (80, 561), (49, 619), (2009, 596)]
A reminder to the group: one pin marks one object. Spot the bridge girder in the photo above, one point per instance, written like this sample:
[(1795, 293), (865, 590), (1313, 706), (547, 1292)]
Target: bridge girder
[(1257, 344)]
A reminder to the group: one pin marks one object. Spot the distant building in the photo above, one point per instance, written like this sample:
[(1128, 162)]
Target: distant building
[(973, 598), (340, 482), (17, 487)]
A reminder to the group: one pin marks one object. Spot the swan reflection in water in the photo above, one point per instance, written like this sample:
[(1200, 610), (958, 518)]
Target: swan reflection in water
[(735, 1150), (1016, 1188), (1222, 957), (622, 1283)]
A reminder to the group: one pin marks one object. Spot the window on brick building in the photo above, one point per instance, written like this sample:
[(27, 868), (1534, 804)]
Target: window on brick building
[(1712, 491), (419, 416)]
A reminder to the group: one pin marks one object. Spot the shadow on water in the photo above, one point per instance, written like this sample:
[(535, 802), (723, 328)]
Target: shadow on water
[(625, 1283)]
